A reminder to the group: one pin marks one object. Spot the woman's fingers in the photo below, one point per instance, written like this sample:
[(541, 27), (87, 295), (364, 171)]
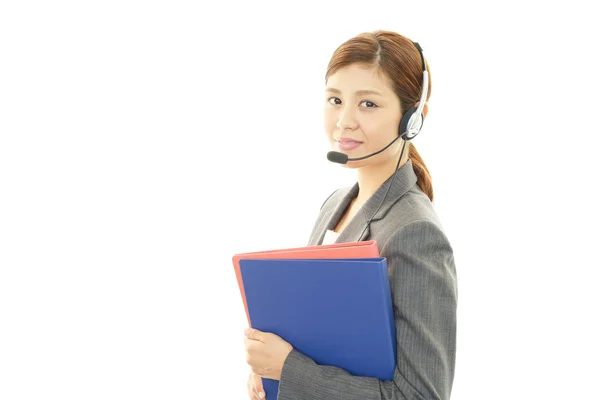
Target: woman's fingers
[(255, 387)]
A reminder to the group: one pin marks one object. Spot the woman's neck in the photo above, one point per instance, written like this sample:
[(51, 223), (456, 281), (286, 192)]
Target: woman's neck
[(370, 178)]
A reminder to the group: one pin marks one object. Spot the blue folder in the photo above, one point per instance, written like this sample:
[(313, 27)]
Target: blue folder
[(336, 311)]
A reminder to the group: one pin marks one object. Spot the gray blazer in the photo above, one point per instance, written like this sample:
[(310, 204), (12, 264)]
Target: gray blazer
[(424, 294)]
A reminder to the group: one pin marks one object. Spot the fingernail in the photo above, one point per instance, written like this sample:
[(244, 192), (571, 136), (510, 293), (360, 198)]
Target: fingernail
[(261, 394)]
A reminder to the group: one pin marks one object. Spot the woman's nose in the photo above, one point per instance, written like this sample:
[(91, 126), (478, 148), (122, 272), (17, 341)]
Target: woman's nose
[(347, 120)]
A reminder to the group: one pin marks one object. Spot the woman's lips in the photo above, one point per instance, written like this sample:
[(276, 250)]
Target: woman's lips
[(347, 144)]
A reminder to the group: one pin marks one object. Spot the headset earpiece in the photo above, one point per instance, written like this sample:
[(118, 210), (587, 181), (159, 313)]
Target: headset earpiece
[(408, 128)]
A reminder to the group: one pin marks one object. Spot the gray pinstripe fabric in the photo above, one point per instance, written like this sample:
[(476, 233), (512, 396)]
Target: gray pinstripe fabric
[(424, 294)]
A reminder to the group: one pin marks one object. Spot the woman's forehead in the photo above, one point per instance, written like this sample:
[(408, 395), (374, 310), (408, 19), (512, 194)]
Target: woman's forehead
[(358, 78)]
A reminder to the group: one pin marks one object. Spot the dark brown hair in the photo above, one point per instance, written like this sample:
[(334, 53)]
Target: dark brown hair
[(400, 62)]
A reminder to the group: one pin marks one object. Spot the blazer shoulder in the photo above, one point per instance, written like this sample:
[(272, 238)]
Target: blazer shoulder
[(413, 216), (413, 207)]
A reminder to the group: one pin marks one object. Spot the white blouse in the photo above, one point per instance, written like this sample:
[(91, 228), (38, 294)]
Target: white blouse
[(330, 237)]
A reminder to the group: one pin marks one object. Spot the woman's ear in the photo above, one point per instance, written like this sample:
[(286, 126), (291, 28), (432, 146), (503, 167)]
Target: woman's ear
[(425, 108)]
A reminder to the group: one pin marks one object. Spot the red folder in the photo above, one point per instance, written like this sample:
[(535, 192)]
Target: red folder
[(366, 249)]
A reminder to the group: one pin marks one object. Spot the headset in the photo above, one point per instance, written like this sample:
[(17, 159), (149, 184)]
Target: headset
[(412, 121), (410, 126)]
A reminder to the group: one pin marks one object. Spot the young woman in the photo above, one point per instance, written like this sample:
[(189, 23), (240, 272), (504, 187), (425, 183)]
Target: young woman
[(376, 91)]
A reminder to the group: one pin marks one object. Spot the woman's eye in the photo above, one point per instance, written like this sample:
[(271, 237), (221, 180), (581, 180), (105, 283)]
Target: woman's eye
[(369, 104), (334, 100)]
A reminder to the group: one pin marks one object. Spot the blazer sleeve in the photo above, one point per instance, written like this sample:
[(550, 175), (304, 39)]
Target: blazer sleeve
[(424, 296)]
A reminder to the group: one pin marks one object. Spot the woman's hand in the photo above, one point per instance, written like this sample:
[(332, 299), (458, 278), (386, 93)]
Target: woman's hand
[(255, 387), (266, 353)]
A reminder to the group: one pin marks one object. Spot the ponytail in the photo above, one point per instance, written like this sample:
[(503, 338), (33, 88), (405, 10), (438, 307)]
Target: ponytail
[(423, 177)]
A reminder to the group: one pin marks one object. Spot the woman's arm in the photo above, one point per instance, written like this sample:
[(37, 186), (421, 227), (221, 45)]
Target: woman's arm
[(423, 283)]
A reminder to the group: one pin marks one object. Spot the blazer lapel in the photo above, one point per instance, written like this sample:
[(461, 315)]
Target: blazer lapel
[(357, 230)]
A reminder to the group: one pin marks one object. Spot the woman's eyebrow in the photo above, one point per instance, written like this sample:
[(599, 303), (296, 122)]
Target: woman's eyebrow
[(358, 92)]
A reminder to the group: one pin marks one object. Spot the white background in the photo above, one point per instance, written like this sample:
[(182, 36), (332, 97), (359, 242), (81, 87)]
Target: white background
[(142, 144)]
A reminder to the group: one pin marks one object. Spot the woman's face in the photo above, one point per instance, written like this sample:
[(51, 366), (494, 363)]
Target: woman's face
[(362, 114)]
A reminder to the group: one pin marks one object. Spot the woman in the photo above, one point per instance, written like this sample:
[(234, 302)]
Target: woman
[(374, 83)]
